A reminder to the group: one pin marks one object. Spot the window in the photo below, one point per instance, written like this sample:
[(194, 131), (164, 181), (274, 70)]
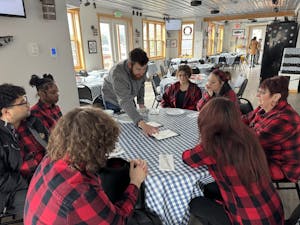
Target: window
[(75, 37), (154, 39), (187, 40), (220, 36)]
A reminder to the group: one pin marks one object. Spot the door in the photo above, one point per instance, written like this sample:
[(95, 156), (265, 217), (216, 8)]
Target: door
[(114, 41)]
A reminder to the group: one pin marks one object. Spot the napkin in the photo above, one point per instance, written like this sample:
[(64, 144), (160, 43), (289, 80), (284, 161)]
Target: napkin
[(166, 162), (154, 124), (163, 134)]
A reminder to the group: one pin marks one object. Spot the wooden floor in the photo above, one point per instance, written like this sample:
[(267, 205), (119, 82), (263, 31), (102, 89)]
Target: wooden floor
[(289, 197)]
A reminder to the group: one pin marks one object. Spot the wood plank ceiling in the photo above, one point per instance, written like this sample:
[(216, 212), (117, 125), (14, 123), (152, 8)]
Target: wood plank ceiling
[(183, 8)]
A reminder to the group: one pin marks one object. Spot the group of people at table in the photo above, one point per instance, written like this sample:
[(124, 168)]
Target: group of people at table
[(54, 159)]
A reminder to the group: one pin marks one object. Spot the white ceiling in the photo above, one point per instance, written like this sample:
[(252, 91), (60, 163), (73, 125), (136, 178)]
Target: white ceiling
[(183, 9)]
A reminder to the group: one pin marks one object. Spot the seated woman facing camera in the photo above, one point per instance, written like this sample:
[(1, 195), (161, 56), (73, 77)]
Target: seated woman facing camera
[(65, 188), (217, 85), (182, 94), (236, 161), (277, 126), (46, 109)]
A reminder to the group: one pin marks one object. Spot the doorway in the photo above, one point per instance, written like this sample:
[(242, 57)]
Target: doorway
[(114, 35)]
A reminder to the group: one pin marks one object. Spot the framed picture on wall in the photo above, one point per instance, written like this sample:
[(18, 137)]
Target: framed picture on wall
[(92, 46), (238, 32)]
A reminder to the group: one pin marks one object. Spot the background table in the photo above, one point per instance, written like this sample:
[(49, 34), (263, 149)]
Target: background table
[(167, 192)]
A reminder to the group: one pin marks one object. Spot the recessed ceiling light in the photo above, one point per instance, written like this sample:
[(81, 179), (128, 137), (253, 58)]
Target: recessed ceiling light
[(214, 11), (196, 3)]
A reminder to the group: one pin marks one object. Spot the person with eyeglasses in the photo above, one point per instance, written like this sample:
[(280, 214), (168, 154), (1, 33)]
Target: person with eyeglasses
[(31, 135), (46, 108), (277, 126)]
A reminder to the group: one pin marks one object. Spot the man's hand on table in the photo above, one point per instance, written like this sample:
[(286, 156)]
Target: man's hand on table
[(147, 129)]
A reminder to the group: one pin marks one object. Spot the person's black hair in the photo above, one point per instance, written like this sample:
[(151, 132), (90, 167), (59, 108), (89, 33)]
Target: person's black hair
[(41, 83), (139, 56), (8, 94)]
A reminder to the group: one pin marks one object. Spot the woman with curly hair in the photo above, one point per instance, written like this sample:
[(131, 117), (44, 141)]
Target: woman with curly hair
[(46, 108), (65, 188)]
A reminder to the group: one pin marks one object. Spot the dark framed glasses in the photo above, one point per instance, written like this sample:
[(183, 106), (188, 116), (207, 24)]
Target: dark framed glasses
[(23, 102)]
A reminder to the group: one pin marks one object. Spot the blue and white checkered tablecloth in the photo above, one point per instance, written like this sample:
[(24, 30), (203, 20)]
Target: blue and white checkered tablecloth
[(168, 193)]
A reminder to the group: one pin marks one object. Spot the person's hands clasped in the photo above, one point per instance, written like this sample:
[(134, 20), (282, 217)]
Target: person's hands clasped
[(138, 171), (147, 129)]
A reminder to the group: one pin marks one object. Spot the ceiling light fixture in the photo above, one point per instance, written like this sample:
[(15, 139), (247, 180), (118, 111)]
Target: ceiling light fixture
[(87, 3), (196, 3), (275, 2)]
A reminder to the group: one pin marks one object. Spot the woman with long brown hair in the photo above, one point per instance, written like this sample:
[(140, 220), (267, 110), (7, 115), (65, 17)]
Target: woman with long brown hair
[(65, 188), (238, 164)]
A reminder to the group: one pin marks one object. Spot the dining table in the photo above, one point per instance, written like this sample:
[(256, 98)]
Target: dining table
[(167, 192)]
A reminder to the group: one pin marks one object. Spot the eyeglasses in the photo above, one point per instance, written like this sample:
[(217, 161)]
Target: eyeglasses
[(23, 102)]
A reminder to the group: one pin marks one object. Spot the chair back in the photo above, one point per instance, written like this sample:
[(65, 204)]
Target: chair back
[(162, 70), (245, 105), (155, 81), (222, 60), (85, 94), (242, 88), (237, 60)]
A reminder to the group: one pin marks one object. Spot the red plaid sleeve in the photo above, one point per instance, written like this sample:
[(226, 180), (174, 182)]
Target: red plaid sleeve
[(205, 98), (196, 157), (48, 114), (59, 195), (247, 118)]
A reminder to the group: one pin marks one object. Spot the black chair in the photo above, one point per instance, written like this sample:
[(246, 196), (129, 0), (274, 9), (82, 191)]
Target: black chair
[(222, 61), (162, 70), (245, 105), (85, 95), (242, 88), (155, 82), (8, 217), (237, 62), (294, 186)]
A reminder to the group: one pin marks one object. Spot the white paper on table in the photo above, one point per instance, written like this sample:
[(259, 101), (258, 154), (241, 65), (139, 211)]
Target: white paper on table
[(163, 134), (166, 162), (154, 111), (116, 152), (154, 124)]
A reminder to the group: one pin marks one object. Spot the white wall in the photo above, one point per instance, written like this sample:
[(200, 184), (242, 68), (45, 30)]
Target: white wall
[(16, 63)]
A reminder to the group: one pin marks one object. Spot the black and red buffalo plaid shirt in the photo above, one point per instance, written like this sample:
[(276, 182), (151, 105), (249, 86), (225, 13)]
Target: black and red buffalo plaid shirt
[(279, 134), (59, 194), (32, 151), (230, 94), (48, 114), (261, 207), (192, 96)]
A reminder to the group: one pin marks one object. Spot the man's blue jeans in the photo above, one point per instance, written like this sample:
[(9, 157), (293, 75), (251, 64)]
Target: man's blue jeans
[(111, 106)]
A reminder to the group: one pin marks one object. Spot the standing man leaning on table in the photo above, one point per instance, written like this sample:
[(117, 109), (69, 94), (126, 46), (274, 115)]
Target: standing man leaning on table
[(124, 82)]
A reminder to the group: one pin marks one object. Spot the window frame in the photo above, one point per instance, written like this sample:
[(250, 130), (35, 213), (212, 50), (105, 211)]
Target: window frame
[(77, 38), (162, 40), (180, 39)]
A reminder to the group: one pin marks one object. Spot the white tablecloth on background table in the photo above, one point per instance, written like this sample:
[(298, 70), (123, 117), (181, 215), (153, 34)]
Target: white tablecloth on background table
[(168, 193)]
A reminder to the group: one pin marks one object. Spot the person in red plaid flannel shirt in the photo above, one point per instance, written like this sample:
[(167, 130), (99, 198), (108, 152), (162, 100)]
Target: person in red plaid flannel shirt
[(13, 186), (217, 85), (182, 94), (236, 160), (277, 126), (65, 188), (46, 108)]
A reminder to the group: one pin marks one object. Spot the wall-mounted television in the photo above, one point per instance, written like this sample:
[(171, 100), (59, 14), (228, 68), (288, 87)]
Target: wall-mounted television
[(12, 8), (173, 24)]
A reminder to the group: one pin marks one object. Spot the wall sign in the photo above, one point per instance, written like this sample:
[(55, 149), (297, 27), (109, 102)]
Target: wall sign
[(238, 32)]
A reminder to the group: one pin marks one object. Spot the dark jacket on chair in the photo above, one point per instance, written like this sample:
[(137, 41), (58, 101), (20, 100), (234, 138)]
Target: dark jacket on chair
[(11, 179)]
